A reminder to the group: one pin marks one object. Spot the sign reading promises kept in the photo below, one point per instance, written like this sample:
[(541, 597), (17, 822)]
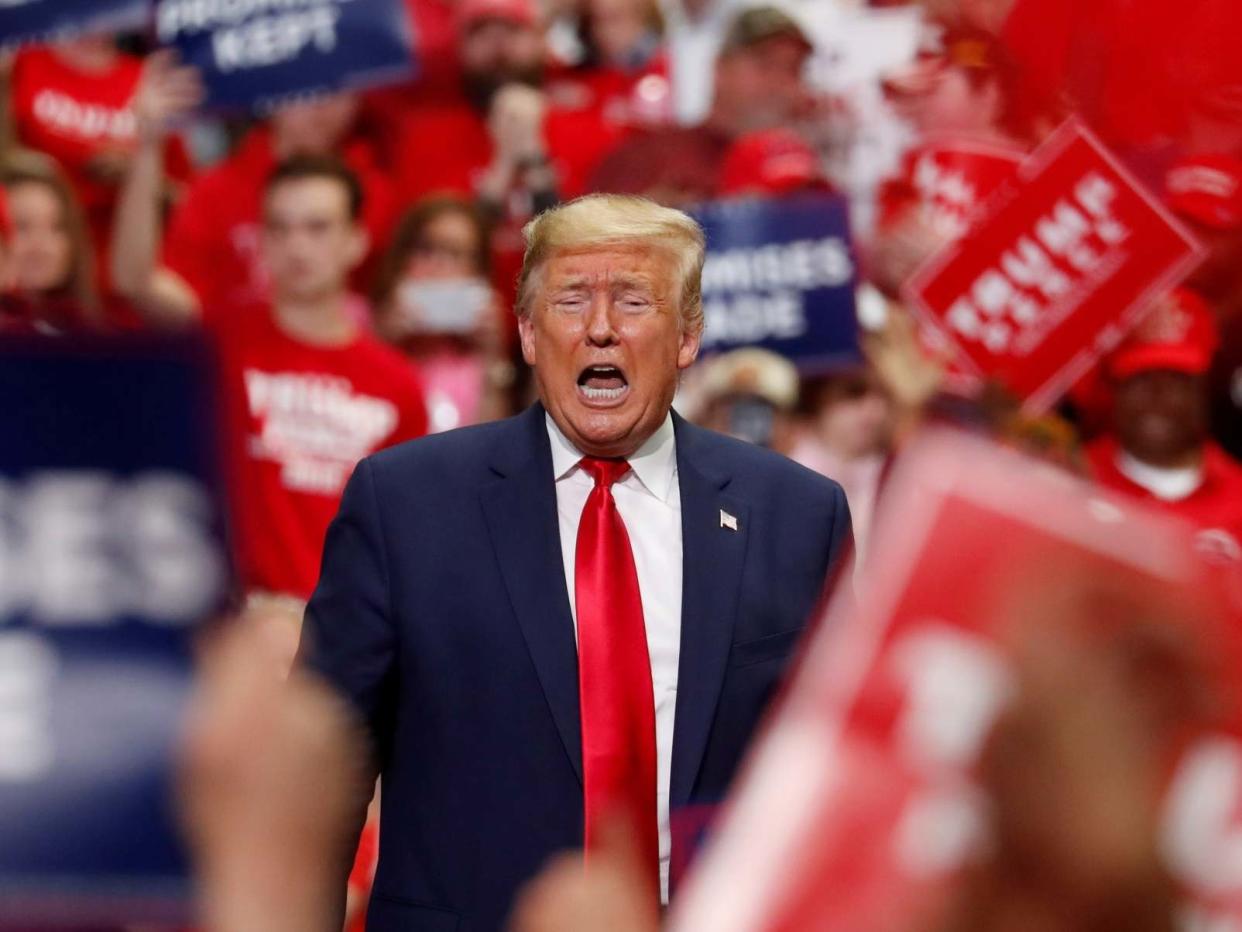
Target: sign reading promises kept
[(1061, 268), (259, 53), (780, 274)]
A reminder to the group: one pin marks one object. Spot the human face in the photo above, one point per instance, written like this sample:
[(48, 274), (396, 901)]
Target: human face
[(310, 243), (314, 127), (605, 338), (40, 248), (616, 26), (761, 86), (939, 99), (448, 247), (496, 52), (1161, 416), (855, 419)]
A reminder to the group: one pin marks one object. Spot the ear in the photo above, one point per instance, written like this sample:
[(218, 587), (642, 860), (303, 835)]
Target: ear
[(688, 348), (526, 331), (359, 244)]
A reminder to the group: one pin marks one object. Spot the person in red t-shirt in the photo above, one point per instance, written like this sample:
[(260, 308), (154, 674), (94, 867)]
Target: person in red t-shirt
[(71, 100), (491, 143), (503, 142), (1159, 449), (310, 392), (213, 243), (623, 76)]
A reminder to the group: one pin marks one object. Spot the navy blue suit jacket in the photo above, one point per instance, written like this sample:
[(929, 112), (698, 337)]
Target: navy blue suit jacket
[(442, 614)]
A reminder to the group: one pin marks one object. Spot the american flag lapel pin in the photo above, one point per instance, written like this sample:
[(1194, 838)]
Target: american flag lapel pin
[(728, 520)]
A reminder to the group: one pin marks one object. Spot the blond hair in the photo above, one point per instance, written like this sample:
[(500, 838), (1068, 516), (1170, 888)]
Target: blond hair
[(604, 220)]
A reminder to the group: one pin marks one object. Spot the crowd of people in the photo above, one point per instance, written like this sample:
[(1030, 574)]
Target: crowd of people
[(353, 258)]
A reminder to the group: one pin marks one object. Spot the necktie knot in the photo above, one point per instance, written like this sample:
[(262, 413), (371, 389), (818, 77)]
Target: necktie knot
[(604, 472)]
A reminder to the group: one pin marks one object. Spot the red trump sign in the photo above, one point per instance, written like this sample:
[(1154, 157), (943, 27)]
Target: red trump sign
[(1065, 262), (873, 797)]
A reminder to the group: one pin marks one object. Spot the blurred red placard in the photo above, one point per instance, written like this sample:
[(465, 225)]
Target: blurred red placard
[(947, 182), (1063, 263), (860, 807)]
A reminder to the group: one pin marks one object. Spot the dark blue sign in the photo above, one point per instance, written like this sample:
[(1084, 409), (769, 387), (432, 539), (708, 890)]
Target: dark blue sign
[(40, 20), (780, 274), (111, 552), (263, 53)]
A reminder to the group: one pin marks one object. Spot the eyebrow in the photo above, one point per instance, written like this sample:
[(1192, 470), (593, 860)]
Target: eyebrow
[(622, 280), (633, 281)]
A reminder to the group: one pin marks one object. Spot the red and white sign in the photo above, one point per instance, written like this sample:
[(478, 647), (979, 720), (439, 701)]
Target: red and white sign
[(1056, 273), (861, 806), (947, 182)]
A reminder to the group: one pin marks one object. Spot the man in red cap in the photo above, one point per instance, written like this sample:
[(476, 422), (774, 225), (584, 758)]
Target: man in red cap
[(501, 141), (1159, 449)]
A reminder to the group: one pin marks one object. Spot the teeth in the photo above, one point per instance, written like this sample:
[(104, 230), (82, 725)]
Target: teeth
[(603, 394)]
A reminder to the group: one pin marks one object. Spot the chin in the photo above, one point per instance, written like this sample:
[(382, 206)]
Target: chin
[(601, 434)]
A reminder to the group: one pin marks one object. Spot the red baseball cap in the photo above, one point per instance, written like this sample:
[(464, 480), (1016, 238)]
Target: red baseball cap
[(522, 12), (1179, 334), (775, 161), (1208, 190)]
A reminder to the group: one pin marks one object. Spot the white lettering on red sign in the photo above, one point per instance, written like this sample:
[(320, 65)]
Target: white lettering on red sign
[(1068, 246)]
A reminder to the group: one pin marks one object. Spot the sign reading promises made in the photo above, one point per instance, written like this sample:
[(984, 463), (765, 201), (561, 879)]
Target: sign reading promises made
[(780, 274)]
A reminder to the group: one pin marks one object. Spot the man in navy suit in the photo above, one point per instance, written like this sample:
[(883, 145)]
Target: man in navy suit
[(576, 615)]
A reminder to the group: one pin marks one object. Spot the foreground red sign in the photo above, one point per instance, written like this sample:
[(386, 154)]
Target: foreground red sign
[(862, 807), (1065, 262)]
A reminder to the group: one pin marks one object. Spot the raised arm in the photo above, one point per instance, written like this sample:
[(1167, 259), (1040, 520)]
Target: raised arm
[(166, 93)]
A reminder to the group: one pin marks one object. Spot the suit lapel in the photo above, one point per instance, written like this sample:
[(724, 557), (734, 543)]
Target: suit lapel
[(713, 555), (521, 516)]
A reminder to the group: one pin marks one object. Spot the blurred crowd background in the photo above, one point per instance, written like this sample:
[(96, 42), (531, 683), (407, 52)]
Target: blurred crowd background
[(353, 257), (126, 209)]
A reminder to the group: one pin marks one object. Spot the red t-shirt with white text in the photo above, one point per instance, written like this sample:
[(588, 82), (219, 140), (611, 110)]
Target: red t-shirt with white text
[(300, 417), (79, 118)]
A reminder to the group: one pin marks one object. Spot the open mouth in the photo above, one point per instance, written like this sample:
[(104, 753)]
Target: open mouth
[(602, 383)]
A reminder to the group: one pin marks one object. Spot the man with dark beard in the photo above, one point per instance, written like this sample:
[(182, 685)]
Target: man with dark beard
[(503, 141)]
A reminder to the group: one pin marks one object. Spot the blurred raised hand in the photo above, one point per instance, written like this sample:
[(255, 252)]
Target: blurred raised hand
[(167, 93), (271, 770), (613, 895)]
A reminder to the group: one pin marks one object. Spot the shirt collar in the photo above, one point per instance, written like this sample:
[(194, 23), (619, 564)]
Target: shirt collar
[(1170, 485), (655, 462)]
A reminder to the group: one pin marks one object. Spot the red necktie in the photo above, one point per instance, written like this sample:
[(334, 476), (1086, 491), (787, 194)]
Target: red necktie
[(614, 673)]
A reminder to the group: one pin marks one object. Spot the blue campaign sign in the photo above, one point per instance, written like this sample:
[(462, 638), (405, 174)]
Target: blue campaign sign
[(23, 21), (261, 53), (780, 274), (111, 552)]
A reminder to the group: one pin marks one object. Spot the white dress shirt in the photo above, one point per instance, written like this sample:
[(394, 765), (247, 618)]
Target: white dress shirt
[(649, 500)]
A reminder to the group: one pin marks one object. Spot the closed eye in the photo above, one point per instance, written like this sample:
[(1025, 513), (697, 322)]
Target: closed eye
[(571, 301), (633, 302)]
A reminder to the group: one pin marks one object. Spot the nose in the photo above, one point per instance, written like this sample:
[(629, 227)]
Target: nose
[(599, 326)]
